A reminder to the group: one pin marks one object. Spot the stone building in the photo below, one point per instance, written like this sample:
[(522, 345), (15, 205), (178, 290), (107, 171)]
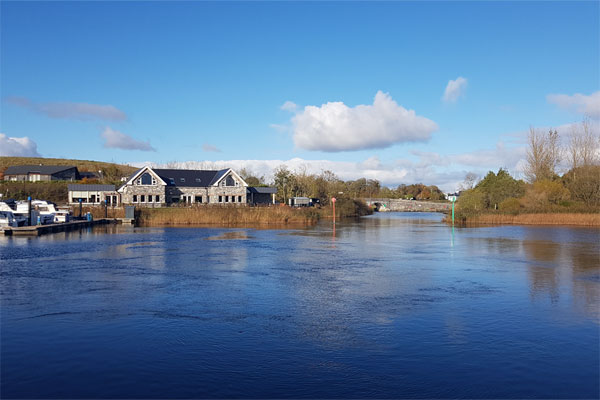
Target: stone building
[(93, 194), (154, 187), (36, 173)]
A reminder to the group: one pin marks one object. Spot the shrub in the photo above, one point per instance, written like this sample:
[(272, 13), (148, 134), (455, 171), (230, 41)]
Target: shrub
[(470, 202), (510, 205), (553, 191)]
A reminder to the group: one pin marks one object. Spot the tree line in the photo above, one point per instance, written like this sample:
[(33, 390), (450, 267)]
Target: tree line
[(544, 189), (326, 185)]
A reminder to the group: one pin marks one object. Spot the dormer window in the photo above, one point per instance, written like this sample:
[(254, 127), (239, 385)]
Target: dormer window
[(146, 179), (198, 180), (182, 179)]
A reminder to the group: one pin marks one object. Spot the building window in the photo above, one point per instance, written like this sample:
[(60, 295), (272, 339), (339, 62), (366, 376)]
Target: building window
[(149, 198), (147, 179), (239, 199), (229, 181), (181, 179), (198, 180), (157, 199), (233, 199), (142, 198), (172, 181), (135, 198), (220, 199), (198, 199)]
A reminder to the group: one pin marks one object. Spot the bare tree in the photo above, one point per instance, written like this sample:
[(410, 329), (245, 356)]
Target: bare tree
[(469, 182), (583, 178), (543, 155)]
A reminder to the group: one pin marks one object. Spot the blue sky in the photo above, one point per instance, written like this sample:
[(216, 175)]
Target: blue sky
[(203, 82)]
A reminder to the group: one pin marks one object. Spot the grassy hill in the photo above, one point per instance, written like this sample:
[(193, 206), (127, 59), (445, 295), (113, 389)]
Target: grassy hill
[(56, 191), (82, 165)]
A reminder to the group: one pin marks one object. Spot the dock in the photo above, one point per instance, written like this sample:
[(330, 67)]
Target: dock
[(38, 230)]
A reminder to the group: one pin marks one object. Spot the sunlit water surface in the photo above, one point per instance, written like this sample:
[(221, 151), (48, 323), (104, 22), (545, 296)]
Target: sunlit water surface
[(393, 305)]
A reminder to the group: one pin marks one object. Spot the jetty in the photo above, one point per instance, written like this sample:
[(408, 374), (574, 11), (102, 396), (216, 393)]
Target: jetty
[(37, 230)]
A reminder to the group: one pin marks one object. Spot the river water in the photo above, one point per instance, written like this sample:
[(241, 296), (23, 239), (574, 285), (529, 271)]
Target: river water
[(393, 305)]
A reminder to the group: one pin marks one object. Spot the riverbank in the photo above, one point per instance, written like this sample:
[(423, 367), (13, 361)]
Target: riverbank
[(231, 215), (572, 219)]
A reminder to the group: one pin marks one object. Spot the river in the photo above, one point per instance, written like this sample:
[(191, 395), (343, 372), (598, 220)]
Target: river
[(392, 305)]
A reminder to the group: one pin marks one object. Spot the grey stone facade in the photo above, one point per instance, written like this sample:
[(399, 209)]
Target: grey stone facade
[(157, 188)]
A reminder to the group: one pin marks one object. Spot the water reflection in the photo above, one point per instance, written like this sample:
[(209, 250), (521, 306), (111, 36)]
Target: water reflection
[(559, 262), (393, 305)]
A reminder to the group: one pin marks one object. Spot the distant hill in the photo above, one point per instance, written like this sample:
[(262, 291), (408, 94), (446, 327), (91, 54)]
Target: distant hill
[(110, 170)]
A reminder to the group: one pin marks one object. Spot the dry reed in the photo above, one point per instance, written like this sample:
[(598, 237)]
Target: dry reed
[(575, 219), (98, 211), (226, 215)]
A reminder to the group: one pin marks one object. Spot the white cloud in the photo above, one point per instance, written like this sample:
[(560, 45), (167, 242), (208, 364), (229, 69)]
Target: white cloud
[(389, 174), (289, 106), (66, 110), (17, 147), (210, 147), (455, 89), (336, 127), (117, 140), (580, 103)]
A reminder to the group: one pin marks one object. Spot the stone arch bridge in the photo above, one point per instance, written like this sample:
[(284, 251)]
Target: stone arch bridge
[(408, 205)]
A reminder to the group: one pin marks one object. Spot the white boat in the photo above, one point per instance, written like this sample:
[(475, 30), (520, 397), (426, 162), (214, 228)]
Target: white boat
[(46, 209), (20, 219), (7, 219), (62, 215), (41, 211)]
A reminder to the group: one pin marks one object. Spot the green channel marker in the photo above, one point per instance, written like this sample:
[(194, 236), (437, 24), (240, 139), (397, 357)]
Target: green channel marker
[(453, 200)]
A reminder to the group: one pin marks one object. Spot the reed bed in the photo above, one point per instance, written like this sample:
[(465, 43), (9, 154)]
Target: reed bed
[(576, 219), (227, 216), (98, 211)]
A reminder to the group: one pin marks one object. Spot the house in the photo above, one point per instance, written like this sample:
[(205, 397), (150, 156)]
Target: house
[(35, 173), (93, 194), (154, 187), (452, 196)]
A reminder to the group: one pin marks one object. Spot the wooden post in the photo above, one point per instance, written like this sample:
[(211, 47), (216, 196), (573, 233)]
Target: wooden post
[(333, 202)]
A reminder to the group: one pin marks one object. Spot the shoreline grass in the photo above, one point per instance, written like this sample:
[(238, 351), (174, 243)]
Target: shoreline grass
[(231, 215), (550, 219)]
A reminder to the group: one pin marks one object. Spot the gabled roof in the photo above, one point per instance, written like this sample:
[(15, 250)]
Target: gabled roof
[(91, 188), (137, 173), (222, 173), (188, 177), (36, 169), (219, 174)]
